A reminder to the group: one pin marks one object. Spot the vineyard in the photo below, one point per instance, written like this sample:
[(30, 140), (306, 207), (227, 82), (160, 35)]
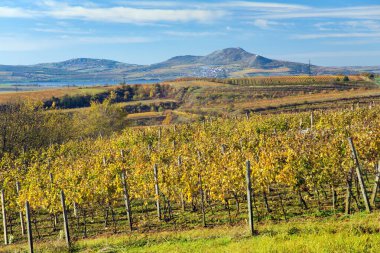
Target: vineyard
[(294, 80), (183, 176)]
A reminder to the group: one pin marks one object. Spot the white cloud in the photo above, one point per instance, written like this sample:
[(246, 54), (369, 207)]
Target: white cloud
[(113, 40), (355, 42), (352, 25), (59, 31), (326, 26), (25, 44), (217, 5), (360, 12), (331, 54), (261, 6), (336, 35), (153, 4), (262, 14), (267, 24), (10, 12), (262, 23), (21, 44), (193, 34), (118, 14), (133, 15)]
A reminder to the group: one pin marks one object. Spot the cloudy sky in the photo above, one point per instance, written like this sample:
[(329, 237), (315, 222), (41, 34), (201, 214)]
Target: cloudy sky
[(328, 32)]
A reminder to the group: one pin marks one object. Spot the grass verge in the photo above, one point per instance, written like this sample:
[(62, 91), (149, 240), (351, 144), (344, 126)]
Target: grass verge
[(357, 233)]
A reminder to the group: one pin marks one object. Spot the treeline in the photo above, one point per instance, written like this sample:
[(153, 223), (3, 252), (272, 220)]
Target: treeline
[(153, 107), (124, 93)]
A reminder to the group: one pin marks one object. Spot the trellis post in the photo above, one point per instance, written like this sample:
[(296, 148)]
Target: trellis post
[(249, 197)]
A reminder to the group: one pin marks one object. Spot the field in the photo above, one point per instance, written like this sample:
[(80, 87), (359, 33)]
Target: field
[(275, 94), (233, 96), (304, 158), (308, 101), (293, 80), (358, 233), (292, 180), (41, 95)]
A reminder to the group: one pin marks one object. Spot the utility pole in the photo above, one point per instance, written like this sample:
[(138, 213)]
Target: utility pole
[(309, 68)]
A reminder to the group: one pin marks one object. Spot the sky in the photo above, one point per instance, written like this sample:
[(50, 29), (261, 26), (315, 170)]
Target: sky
[(328, 32)]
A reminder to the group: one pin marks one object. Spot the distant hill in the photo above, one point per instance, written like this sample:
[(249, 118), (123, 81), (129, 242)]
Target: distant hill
[(85, 63), (229, 62)]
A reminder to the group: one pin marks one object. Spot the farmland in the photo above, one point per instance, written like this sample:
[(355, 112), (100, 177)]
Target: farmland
[(227, 96), (200, 168), (189, 126), (130, 176)]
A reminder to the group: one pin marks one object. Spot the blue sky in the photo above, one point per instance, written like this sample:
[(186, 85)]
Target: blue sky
[(330, 33)]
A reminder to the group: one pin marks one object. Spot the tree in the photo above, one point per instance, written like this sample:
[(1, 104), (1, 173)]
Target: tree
[(101, 119), (346, 79), (24, 125)]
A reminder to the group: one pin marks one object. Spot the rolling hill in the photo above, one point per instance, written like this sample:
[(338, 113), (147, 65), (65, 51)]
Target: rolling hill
[(230, 62)]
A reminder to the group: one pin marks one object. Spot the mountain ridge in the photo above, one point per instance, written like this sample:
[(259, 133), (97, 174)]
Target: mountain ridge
[(228, 62)]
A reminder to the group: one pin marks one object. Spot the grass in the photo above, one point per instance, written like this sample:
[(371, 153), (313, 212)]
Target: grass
[(144, 115), (356, 233), (247, 72)]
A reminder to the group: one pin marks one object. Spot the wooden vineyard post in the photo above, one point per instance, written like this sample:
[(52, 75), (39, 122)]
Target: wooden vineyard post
[(359, 175), (334, 197), (29, 226), (201, 192), (55, 215), (183, 206), (174, 145), (126, 195), (223, 149), (202, 200), (75, 209), (157, 191), (311, 120), (159, 133), (126, 199), (249, 197), (21, 215), (159, 138), (376, 185), (4, 213), (65, 221), (349, 192)]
